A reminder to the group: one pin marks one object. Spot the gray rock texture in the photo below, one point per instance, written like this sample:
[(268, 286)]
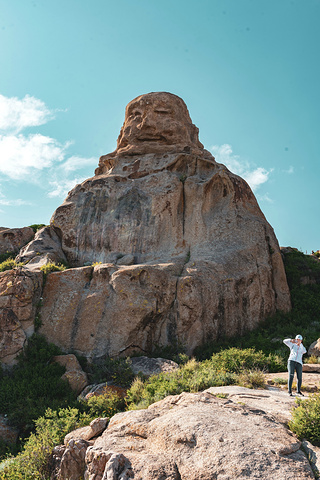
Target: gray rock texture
[(12, 239), (20, 293), (198, 436)]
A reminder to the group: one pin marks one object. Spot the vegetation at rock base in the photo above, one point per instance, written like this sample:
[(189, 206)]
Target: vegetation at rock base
[(231, 366), (33, 385), (304, 317), (305, 421), (9, 264), (50, 414), (52, 267), (116, 370)]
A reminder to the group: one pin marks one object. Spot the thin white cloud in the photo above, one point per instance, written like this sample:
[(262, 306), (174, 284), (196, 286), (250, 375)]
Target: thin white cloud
[(75, 163), (16, 114), (22, 156), (14, 203), (264, 198), (290, 170), (254, 176), (60, 188)]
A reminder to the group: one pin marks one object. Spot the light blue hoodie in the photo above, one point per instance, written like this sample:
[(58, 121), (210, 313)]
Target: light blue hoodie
[(296, 351)]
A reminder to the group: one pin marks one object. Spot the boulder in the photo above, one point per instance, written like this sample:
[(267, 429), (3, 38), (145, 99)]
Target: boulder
[(20, 297), (191, 436), (102, 389), (314, 348), (13, 239), (96, 427), (12, 336), (151, 366), (74, 374), (45, 248), (311, 367), (68, 463)]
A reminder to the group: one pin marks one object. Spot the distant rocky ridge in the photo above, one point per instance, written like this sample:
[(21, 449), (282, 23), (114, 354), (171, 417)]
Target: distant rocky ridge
[(167, 246)]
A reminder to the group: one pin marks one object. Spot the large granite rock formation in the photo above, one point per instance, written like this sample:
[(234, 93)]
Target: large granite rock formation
[(186, 253)]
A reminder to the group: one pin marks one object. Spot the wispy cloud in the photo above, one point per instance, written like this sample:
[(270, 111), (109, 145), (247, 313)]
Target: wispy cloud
[(60, 188), (290, 170), (255, 176), (21, 156), (14, 203), (16, 114), (35, 158), (75, 163)]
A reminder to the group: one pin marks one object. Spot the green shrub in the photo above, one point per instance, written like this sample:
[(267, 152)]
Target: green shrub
[(50, 429), (113, 370), (305, 421), (52, 267), (36, 226), (9, 264), (251, 379), (105, 405), (280, 381), (231, 366), (33, 385), (7, 449), (6, 256)]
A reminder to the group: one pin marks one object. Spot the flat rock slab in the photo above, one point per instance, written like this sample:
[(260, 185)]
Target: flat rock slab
[(200, 436), (271, 401)]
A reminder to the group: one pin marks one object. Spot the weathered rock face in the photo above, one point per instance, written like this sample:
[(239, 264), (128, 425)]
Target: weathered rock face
[(20, 292), (45, 247), (186, 252), (74, 374), (314, 348), (12, 239), (193, 436)]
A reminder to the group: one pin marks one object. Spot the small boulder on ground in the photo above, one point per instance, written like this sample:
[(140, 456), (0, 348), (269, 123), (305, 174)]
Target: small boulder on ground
[(151, 366), (74, 374), (314, 348), (96, 427)]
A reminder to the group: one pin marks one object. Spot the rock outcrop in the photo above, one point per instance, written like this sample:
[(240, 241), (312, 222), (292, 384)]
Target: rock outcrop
[(314, 348), (20, 294), (186, 253), (193, 436), (74, 374), (13, 239)]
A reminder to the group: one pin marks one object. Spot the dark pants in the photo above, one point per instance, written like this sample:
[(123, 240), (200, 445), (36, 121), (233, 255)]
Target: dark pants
[(294, 366)]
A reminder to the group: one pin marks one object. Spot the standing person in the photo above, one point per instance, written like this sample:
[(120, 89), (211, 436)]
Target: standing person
[(295, 361)]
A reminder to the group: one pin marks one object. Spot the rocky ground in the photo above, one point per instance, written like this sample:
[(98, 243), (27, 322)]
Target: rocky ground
[(222, 433)]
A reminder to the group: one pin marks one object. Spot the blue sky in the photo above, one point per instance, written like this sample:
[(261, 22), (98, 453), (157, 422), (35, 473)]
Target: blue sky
[(248, 71)]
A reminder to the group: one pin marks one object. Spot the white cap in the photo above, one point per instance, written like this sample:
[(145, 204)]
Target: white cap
[(298, 337)]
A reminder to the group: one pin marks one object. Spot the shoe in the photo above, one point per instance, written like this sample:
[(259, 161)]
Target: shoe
[(290, 393), (300, 393)]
